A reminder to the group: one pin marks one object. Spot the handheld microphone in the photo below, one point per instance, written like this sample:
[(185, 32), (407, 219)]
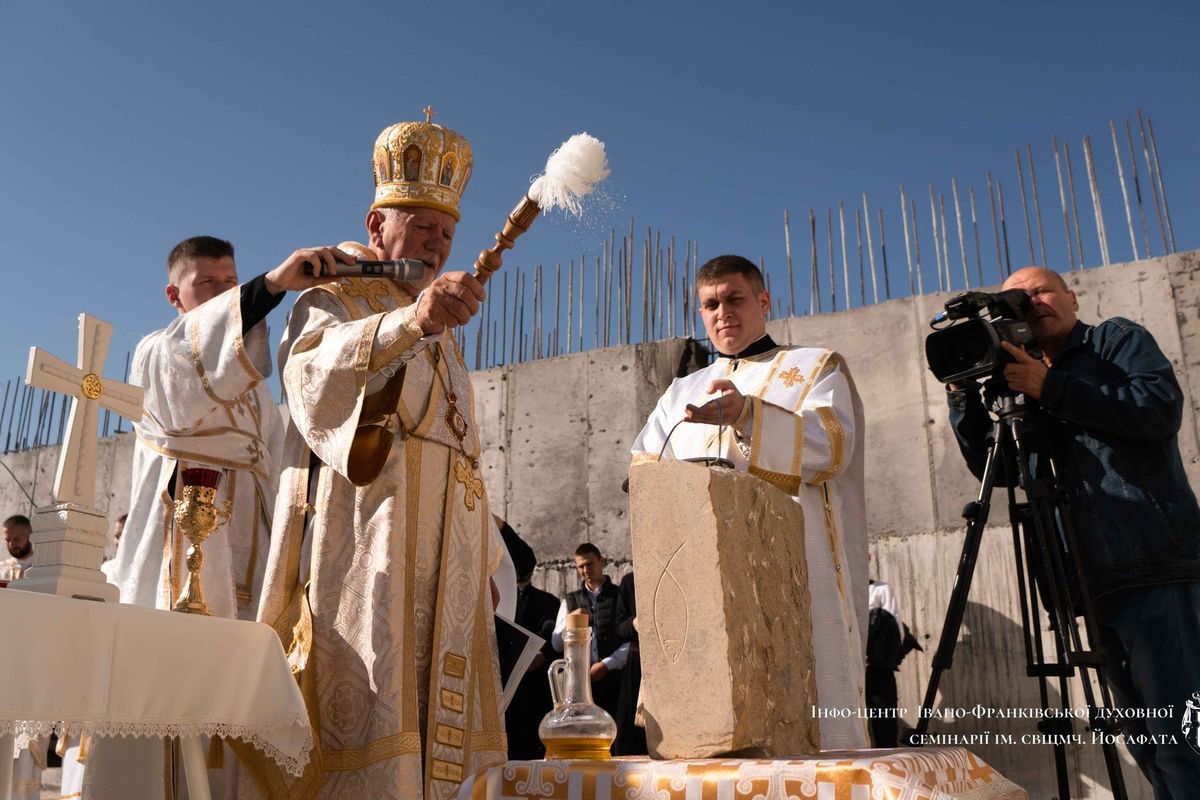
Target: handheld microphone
[(401, 269)]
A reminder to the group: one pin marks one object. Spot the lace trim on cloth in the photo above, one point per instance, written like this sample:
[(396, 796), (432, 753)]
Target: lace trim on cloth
[(25, 730)]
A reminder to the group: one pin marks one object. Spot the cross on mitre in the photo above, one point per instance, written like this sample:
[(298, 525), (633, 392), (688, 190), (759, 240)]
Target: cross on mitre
[(75, 481)]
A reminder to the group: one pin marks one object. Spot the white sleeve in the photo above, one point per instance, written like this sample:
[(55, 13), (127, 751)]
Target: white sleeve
[(618, 658), (559, 625)]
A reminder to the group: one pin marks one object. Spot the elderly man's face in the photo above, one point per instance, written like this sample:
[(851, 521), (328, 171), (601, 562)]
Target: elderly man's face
[(16, 539), (734, 314), (421, 233), (1054, 305)]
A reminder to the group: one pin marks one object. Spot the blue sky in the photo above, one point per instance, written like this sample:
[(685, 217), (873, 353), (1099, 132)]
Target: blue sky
[(128, 126)]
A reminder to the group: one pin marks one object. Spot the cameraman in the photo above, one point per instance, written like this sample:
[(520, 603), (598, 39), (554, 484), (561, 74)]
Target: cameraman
[(1114, 409)]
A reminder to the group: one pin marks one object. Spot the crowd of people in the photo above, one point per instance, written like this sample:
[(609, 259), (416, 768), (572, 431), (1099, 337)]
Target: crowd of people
[(359, 528)]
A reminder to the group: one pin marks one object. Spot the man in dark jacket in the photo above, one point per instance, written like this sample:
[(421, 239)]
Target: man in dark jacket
[(1114, 409), (596, 596), (536, 611)]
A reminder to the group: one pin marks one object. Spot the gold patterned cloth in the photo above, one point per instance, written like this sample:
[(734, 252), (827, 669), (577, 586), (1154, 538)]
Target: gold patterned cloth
[(805, 435), (378, 579), (944, 773)]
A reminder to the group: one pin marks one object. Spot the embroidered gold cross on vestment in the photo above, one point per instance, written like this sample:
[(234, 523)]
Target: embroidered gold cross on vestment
[(368, 290), (791, 377), (465, 474)]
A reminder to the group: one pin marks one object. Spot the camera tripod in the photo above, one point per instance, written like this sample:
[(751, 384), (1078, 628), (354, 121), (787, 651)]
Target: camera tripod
[(1048, 566)]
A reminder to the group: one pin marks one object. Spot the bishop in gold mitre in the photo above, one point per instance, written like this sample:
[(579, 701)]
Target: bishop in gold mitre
[(382, 550)]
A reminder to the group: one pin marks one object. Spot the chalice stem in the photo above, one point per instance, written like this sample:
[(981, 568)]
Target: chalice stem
[(191, 599)]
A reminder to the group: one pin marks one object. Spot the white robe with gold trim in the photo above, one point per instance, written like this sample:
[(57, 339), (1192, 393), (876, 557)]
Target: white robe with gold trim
[(805, 437), (207, 404), (381, 554)]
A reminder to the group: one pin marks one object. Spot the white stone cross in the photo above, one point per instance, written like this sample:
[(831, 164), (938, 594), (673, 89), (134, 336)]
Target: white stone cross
[(75, 481)]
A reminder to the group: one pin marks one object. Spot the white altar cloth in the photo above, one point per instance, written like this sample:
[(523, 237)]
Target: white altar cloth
[(108, 669)]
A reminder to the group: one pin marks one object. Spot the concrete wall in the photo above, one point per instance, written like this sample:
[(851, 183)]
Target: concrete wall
[(557, 434), (31, 473)]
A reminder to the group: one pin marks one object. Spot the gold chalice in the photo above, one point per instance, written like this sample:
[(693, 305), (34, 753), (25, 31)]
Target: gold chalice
[(196, 518)]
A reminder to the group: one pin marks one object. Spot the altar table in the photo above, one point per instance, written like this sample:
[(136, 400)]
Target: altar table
[(107, 669), (931, 773)]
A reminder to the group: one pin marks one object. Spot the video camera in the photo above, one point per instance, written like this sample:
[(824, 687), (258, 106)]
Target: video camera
[(970, 348)]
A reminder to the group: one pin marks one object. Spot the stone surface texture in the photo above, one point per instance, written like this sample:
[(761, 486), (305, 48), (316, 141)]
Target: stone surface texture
[(724, 614)]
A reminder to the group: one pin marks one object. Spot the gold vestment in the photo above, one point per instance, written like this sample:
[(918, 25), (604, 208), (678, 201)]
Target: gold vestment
[(393, 640)]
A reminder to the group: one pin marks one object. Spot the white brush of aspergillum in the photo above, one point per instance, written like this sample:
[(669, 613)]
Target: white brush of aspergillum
[(572, 171)]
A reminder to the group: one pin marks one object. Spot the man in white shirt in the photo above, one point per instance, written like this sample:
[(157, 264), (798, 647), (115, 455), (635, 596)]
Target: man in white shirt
[(596, 596)]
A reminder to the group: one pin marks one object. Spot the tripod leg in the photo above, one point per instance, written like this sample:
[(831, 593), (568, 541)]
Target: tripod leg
[(1035, 652), (1054, 543), (943, 657)]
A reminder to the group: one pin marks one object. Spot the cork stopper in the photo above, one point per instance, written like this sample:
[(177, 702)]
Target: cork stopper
[(578, 621)]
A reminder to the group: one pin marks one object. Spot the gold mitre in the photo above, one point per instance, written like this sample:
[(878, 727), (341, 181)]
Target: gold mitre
[(421, 164)]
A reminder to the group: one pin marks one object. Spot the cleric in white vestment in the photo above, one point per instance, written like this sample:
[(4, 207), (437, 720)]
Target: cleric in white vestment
[(207, 404), (791, 416)]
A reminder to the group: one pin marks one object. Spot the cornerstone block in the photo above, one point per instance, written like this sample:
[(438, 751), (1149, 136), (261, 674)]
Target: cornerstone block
[(724, 614)]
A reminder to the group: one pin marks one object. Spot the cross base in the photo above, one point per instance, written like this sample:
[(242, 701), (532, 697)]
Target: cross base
[(68, 547)]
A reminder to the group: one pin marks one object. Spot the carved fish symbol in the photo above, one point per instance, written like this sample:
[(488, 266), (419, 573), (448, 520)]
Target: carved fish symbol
[(671, 611)]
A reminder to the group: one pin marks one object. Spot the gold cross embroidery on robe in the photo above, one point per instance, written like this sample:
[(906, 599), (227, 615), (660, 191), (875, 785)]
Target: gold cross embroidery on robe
[(791, 377), (465, 474), (368, 290)]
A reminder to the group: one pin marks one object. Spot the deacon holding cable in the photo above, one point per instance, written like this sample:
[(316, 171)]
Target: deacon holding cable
[(380, 580), (790, 416)]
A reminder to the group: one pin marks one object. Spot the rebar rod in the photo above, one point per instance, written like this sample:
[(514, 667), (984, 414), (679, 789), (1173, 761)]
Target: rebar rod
[(1004, 229), (1162, 228), (937, 248), (1062, 199), (1112, 128), (787, 246), (1162, 188), (814, 283), (916, 245), (1037, 203), (845, 261), (1025, 208), (858, 238), (962, 243), (1137, 190), (907, 250), (832, 282), (1074, 204), (870, 249), (1097, 207), (995, 227), (975, 229), (887, 284)]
